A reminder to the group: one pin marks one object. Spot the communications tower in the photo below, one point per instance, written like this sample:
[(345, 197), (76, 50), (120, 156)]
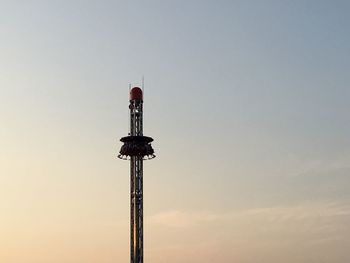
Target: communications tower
[(136, 148)]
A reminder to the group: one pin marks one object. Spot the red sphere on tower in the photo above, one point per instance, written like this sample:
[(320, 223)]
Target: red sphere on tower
[(136, 93)]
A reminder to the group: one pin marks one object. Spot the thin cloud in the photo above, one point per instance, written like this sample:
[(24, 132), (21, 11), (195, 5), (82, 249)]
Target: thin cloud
[(293, 213), (176, 218)]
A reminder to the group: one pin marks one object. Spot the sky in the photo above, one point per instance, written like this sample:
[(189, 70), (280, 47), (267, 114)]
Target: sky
[(248, 105)]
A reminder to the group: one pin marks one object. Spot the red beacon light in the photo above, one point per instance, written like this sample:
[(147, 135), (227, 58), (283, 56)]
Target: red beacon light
[(136, 93)]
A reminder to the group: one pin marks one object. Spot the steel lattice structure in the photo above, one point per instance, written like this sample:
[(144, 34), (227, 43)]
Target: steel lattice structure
[(136, 148)]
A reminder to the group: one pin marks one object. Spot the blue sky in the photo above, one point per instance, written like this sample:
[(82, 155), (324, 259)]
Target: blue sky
[(248, 103)]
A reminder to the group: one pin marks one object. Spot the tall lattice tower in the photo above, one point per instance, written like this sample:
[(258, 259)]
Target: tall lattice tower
[(136, 148)]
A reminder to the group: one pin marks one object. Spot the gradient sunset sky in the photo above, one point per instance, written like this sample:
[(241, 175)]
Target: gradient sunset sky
[(248, 103)]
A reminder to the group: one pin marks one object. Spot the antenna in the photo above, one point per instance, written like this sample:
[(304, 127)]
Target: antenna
[(129, 96)]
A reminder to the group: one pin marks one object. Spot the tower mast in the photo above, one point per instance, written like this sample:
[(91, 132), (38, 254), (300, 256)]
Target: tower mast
[(136, 148)]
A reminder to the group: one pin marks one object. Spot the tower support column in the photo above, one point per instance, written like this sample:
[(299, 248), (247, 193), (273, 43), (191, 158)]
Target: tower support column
[(136, 209), (136, 148)]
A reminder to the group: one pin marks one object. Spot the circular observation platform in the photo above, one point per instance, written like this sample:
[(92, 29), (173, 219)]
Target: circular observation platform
[(139, 146)]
